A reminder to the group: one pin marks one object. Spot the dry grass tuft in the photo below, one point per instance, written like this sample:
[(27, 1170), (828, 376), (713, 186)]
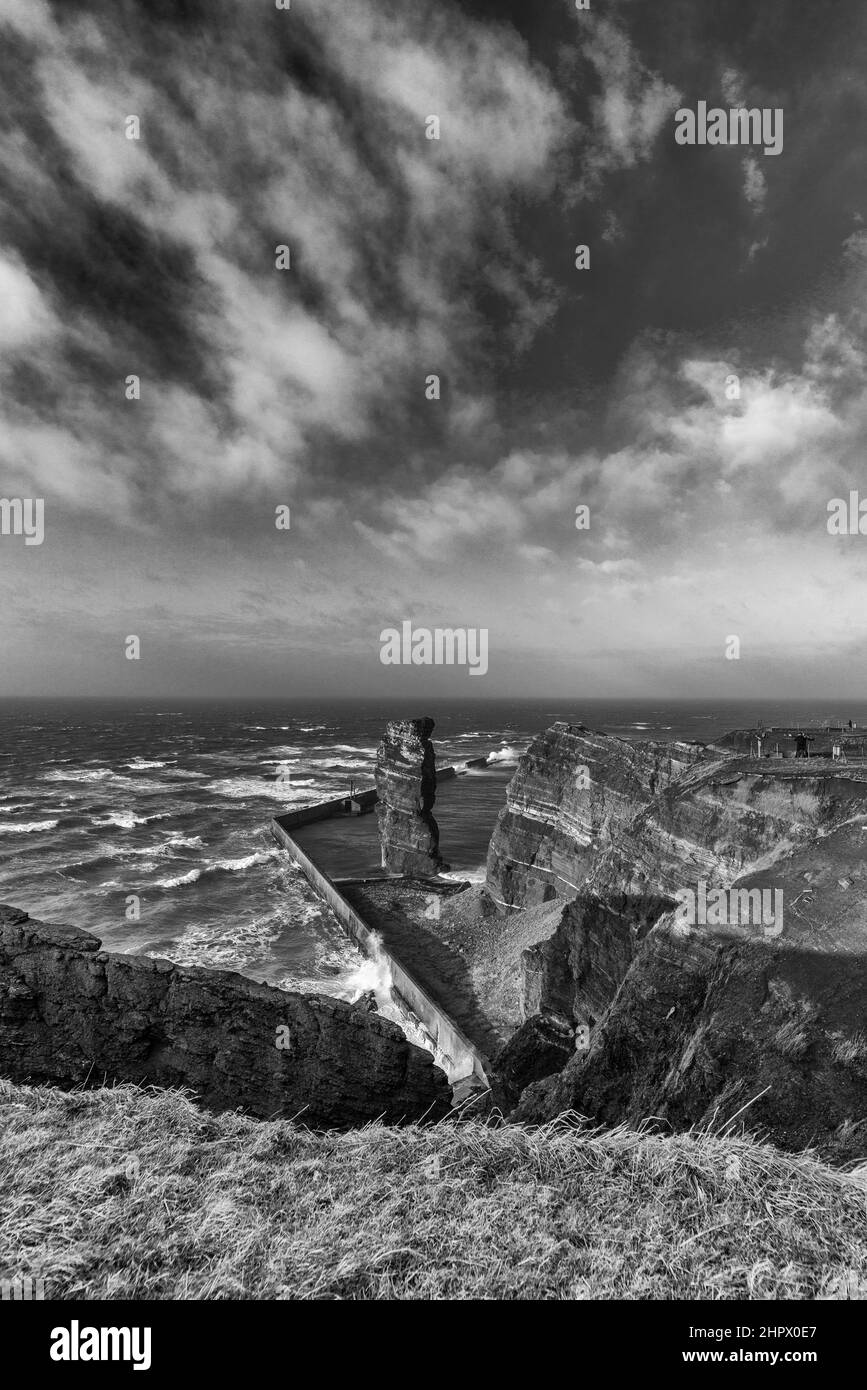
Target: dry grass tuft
[(122, 1193)]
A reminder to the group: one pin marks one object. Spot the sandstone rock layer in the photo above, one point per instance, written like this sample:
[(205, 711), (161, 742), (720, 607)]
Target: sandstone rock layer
[(571, 792)]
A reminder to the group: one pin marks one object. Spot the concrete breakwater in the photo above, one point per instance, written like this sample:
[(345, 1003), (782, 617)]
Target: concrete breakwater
[(460, 1057), (355, 803)]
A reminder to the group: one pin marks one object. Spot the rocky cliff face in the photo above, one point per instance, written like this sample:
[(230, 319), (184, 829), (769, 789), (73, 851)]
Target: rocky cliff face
[(406, 784), (572, 791), (70, 1012), (710, 1019), (723, 819), (685, 1021)]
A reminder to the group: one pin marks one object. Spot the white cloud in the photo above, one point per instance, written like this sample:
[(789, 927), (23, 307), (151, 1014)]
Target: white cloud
[(25, 317), (632, 108), (228, 165)]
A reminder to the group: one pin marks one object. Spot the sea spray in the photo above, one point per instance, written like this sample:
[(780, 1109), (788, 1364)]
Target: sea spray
[(372, 975)]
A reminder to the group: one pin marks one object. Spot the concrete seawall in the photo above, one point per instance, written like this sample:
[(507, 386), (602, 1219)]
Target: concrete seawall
[(354, 803), (347, 805), (463, 1058)]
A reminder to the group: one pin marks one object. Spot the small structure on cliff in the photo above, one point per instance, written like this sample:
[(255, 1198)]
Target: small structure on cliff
[(406, 782)]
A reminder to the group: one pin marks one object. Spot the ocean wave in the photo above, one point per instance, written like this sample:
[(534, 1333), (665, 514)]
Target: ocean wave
[(191, 877), (477, 875), (125, 820), (114, 854), (27, 827), (240, 945), (343, 762), (226, 866), (83, 774), (244, 787), (310, 750), (504, 755)]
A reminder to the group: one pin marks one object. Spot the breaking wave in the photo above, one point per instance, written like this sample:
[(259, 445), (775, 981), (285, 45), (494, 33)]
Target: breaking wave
[(504, 755), (226, 866), (27, 827)]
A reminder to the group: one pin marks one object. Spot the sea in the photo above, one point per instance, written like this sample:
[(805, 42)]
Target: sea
[(147, 823)]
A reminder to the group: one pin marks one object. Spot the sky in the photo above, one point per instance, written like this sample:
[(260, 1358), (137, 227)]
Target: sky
[(307, 387)]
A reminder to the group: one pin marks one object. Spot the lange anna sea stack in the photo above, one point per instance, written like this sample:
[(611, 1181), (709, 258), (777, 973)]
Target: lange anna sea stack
[(406, 781)]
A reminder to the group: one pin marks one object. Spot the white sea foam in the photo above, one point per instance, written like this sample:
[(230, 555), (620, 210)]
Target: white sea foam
[(504, 755), (228, 866), (240, 945), (108, 853), (126, 820), (245, 787), (467, 875), (191, 877), (27, 827), (82, 774), (344, 762), (143, 762)]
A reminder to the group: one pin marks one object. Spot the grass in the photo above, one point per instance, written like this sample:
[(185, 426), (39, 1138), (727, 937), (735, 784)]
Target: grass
[(851, 1051), (124, 1193)]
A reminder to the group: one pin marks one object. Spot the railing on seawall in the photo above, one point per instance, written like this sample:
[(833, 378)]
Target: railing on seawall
[(447, 1037)]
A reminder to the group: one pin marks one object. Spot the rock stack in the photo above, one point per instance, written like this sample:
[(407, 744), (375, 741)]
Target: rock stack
[(406, 782)]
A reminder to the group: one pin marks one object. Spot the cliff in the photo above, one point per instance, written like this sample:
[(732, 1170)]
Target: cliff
[(710, 1019), (71, 1013), (691, 1022), (406, 785), (572, 790)]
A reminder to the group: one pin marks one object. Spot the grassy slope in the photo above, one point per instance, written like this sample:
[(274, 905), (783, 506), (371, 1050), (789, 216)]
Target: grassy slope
[(119, 1193)]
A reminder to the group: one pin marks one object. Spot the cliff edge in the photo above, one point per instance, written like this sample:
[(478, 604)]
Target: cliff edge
[(72, 1014)]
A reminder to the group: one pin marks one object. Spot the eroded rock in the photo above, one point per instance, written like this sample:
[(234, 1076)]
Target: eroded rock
[(406, 782), (541, 1046), (71, 1013)]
